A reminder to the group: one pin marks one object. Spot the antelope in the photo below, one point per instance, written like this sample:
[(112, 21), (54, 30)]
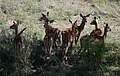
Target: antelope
[(96, 32), (101, 38), (80, 28), (68, 37), (51, 34), (86, 41), (17, 40)]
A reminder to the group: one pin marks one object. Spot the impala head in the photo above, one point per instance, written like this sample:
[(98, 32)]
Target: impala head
[(84, 18), (73, 24), (95, 21), (107, 28), (15, 24), (45, 18)]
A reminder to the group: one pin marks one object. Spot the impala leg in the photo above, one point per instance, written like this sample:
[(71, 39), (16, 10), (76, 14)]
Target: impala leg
[(64, 40), (16, 48), (71, 44), (20, 45), (63, 45), (54, 42), (66, 50), (46, 44), (76, 38), (51, 45)]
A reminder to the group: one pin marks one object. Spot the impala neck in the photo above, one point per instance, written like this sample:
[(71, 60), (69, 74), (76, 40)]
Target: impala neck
[(82, 25), (16, 30), (96, 26), (105, 33), (45, 23)]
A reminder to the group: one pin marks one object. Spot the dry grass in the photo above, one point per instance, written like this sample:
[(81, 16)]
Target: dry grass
[(30, 11)]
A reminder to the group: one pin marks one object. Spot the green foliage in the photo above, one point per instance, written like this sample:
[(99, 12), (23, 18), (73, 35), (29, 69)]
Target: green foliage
[(6, 58), (1, 22)]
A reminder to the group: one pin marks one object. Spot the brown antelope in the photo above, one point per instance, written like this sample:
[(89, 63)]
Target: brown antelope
[(68, 37), (17, 40), (96, 32), (101, 38), (86, 41), (80, 28), (51, 34)]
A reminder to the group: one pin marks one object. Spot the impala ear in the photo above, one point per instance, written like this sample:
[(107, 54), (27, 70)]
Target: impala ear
[(104, 24), (51, 21), (88, 15), (47, 13), (95, 18), (81, 15), (75, 21), (43, 15), (14, 22), (98, 16), (70, 21), (18, 22)]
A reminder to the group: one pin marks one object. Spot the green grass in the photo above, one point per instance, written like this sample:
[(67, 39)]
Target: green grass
[(29, 12)]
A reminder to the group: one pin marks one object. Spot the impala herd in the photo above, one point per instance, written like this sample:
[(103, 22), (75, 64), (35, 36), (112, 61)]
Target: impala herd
[(67, 37)]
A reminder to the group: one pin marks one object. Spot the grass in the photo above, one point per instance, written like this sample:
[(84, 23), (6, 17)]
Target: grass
[(29, 12)]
